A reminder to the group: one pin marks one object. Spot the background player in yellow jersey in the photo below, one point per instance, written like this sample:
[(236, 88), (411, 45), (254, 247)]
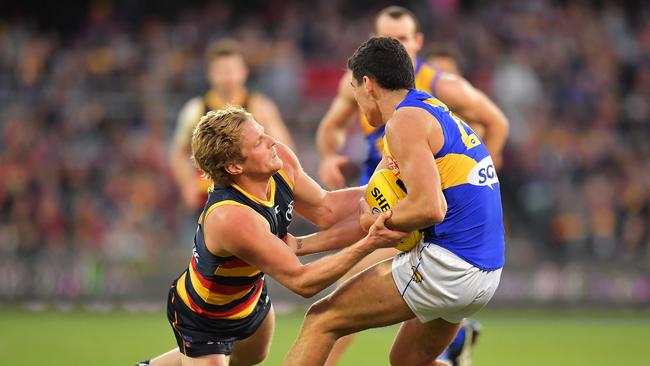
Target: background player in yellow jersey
[(226, 72), (453, 198), (452, 89), (218, 307), (458, 94)]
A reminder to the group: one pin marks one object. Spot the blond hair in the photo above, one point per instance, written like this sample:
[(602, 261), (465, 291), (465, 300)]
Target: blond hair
[(216, 142)]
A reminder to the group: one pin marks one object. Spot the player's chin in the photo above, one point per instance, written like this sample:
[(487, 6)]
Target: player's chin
[(277, 163)]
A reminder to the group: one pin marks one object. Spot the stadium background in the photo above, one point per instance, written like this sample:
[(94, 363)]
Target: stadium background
[(89, 92)]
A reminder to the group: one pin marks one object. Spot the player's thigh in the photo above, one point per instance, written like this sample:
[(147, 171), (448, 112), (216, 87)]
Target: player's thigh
[(208, 360), (370, 260), (254, 349), (420, 343), (368, 300)]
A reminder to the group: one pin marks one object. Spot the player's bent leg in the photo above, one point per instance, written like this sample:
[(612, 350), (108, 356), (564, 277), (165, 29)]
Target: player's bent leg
[(420, 343), (170, 358), (368, 300), (207, 360), (254, 349), (368, 261)]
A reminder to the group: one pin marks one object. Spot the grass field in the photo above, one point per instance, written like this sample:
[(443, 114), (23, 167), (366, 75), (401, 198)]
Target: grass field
[(511, 338)]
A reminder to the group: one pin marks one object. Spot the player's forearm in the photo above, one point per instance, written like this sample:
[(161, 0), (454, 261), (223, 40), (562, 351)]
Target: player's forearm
[(341, 235), (340, 204), (320, 274), (415, 215), (496, 134), (329, 139)]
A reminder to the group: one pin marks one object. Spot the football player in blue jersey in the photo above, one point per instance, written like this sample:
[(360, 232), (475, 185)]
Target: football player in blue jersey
[(453, 198)]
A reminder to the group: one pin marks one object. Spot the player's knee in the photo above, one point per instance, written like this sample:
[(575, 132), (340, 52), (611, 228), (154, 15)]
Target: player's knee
[(322, 315)]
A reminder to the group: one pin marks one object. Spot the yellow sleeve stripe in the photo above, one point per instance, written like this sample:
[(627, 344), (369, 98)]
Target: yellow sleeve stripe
[(286, 178)]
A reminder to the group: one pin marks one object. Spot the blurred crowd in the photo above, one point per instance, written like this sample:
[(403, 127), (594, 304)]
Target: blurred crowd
[(88, 208)]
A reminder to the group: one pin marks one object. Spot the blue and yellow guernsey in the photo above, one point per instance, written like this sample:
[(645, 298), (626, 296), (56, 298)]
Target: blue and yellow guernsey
[(426, 79), (473, 226), (226, 287)]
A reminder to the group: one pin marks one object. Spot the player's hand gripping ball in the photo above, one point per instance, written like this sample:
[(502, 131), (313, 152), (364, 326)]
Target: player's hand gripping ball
[(383, 191)]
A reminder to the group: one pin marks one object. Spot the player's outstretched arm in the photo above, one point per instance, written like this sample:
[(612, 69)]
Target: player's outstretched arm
[(253, 242), (330, 136), (474, 106)]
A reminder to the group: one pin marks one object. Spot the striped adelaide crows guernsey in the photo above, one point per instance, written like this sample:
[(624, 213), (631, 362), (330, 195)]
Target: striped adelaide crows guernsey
[(228, 288)]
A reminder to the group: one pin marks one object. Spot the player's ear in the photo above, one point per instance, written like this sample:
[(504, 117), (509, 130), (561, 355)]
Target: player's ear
[(234, 169), (419, 40), (370, 86)]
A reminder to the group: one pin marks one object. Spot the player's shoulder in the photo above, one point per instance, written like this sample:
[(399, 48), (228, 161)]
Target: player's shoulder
[(220, 216), (196, 102), (260, 101), (410, 119)]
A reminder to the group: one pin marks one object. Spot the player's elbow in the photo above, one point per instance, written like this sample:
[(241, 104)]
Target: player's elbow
[(434, 215), (303, 290)]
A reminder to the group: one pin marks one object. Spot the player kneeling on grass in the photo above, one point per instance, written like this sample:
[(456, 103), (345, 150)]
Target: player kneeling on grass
[(453, 197), (218, 307)]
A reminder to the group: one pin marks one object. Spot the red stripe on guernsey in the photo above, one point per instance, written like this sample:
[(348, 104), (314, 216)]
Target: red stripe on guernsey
[(216, 287), (234, 263), (237, 309)]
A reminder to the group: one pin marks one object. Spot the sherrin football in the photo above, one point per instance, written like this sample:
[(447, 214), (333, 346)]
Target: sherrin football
[(384, 190)]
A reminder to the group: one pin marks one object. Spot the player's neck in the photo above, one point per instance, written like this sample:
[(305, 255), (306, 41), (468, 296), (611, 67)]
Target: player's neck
[(258, 186), (389, 101)]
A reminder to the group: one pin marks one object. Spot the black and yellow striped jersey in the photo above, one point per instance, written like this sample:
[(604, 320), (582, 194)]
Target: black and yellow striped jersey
[(226, 287)]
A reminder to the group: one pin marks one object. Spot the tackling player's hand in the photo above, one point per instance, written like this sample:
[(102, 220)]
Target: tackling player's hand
[(330, 171), (382, 237)]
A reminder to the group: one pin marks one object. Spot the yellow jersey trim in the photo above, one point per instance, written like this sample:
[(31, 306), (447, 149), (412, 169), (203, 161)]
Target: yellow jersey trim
[(262, 202), (286, 178)]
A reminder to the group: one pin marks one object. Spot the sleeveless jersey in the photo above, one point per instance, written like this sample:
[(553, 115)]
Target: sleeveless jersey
[(426, 78), (473, 226), (227, 287)]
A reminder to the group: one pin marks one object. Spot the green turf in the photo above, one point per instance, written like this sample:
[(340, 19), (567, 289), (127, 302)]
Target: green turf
[(510, 338)]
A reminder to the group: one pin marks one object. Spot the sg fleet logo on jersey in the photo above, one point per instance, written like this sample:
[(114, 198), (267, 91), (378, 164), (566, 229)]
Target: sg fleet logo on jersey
[(483, 174)]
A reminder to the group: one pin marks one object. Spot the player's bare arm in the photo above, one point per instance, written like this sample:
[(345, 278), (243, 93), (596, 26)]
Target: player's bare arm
[(474, 106), (268, 115), (330, 136), (413, 140), (334, 211), (182, 168), (254, 243)]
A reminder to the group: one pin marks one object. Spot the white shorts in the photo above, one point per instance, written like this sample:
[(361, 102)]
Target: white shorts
[(436, 283)]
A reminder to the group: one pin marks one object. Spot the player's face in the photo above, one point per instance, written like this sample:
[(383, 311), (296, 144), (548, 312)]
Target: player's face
[(366, 103), (227, 72), (259, 149), (403, 30)]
